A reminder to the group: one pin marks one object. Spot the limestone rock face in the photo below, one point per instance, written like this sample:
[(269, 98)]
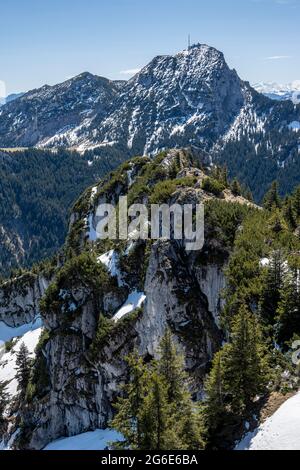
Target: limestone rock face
[(211, 280), (110, 299), (84, 386), (19, 299)]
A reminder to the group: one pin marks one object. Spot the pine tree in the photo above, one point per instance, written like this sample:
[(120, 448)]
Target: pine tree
[(220, 174), (23, 363), (272, 287), (289, 215), (215, 409), (224, 176), (128, 419), (296, 201), (277, 222), (239, 372), (157, 411), (236, 188), (158, 420), (249, 195), (289, 307), (272, 198), (171, 369), (245, 361), (3, 399)]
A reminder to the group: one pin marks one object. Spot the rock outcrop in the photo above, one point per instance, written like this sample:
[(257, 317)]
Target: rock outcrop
[(89, 330), (20, 297)]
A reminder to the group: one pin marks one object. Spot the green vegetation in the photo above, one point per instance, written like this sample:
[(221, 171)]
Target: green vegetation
[(261, 311), (37, 191), (213, 186), (262, 308), (255, 164), (134, 263), (4, 399), (9, 345), (163, 190), (23, 363), (82, 271), (272, 198), (288, 310), (236, 188), (107, 329), (156, 412), (39, 381), (222, 220), (240, 371)]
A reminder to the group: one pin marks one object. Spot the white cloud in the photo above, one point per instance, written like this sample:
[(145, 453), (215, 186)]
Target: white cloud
[(278, 57), (130, 71)]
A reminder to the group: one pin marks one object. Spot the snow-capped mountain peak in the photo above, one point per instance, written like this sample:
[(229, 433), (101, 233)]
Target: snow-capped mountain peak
[(191, 98)]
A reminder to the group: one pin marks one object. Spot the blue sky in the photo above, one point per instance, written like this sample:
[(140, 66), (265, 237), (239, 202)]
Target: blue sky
[(49, 41)]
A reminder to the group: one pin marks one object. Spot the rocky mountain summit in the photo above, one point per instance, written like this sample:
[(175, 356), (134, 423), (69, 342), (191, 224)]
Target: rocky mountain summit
[(191, 98), (48, 111), (104, 298)]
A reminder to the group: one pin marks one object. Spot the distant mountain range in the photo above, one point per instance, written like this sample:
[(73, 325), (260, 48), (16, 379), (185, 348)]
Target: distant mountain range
[(10, 98), (275, 91), (190, 99)]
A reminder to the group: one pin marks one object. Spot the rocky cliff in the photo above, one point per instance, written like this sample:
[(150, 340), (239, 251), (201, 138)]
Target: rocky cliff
[(110, 297), (20, 297)]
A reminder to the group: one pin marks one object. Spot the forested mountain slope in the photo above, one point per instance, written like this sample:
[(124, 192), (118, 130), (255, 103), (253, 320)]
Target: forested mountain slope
[(190, 99), (37, 189)]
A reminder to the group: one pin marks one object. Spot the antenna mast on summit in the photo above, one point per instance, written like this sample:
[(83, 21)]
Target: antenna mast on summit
[(189, 42)]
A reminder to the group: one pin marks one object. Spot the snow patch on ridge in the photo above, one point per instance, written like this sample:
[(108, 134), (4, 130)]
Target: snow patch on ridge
[(279, 432), (135, 300), (8, 360), (96, 440), (111, 261), (294, 126)]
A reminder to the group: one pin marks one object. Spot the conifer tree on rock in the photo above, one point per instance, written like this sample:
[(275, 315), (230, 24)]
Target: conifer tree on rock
[(296, 201), (289, 214), (215, 409), (159, 421), (236, 188), (245, 361), (157, 411), (171, 368), (128, 419), (272, 287), (240, 371), (23, 363), (4, 398), (272, 199), (289, 307)]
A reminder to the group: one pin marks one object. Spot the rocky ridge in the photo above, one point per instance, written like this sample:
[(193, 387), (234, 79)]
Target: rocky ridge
[(191, 98), (111, 297)]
